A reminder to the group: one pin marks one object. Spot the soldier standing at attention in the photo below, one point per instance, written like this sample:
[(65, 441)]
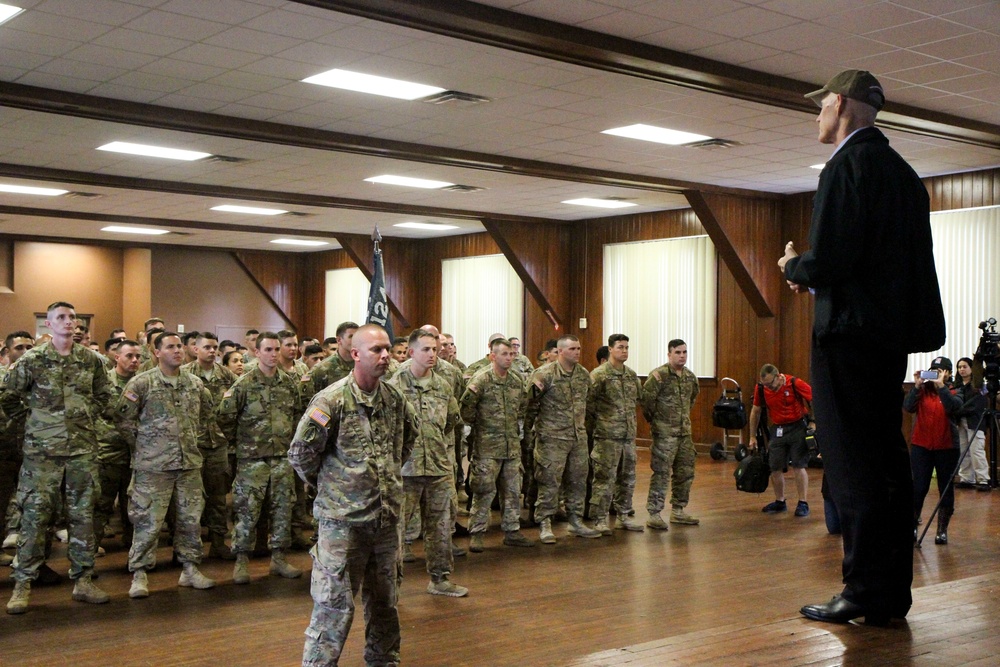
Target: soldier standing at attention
[(667, 399), (259, 414), (287, 357), (166, 415), (358, 504), (12, 447), (216, 473), (611, 404), (557, 411), (63, 385), (449, 352), (480, 364), (492, 404), (428, 474), (335, 367), (521, 364)]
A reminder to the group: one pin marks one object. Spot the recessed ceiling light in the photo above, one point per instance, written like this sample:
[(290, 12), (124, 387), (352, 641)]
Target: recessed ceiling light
[(30, 190), (152, 151), (250, 210), (425, 225), (600, 203), (375, 85), (300, 242), (817, 166), (660, 135), (149, 231), (8, 12), (388, 179)]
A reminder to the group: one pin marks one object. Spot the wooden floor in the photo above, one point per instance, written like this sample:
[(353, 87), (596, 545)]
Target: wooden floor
[(692, 596)]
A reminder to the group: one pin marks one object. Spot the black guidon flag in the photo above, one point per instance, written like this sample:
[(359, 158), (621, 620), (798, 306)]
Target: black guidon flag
[(378, 300)]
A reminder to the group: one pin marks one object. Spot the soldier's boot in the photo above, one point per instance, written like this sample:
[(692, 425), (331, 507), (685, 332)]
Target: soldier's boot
[(282, 567), (476, 543), (10, 542), (545, 535), (580, 529), (441, 586), (678, 515), (625, 522), (408, 556), (6, 559), (140, 585), (86, 590), (191, 577), (18, 603), (656, 522), (514, 538), (602, 526), (241, 570), (219, 549)]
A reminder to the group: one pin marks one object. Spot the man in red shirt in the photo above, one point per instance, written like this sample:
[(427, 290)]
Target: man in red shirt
[(788, 400)]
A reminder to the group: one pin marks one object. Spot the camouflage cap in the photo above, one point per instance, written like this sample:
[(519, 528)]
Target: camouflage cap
[(853, 83)]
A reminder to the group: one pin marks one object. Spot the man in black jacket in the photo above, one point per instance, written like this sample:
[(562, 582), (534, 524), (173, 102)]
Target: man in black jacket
[(871, 267)]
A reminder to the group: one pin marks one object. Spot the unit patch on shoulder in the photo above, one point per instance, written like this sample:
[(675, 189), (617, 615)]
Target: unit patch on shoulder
[(305, 378), (132, 396), (228, 394), (319, 417)]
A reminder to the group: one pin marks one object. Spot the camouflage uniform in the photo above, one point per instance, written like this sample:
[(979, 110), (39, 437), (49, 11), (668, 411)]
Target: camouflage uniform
[(556, 411), (667, 399), (166, 421), (113, 463), (611, 405), (325, 373), (453, 374), (11, 456), (259, 414), (523, 365), (360, 490), (493, 406), (64, 395), (475, 367), (429, 473)]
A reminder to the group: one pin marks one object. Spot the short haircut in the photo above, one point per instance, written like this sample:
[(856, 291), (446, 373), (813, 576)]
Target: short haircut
[(128, 341), (59, 304), (211, 336), (551, 343), (225, 343), (313, 349), (111, 343), (399, 340), (330, 340), (189, 336), (286, 333), (9, 340), (251, 332), (500, 342), (614, 338), (567, 337), (152, 320), (158, 341), (114, 332), (768, 369), (267, 335), (82, 327), (677, 342), (416, 335), (344, 326), (603, 354), (513, 338)]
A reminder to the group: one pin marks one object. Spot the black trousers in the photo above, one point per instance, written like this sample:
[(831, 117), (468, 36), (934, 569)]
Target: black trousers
[(857, 395), (924, 462)]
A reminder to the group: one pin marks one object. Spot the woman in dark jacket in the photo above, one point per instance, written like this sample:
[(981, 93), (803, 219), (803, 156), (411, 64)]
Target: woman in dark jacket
[(974, 471)]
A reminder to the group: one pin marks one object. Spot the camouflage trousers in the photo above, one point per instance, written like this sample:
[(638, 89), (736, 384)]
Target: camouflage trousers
[(613, 462), (553, 458), (215, 476), (431, 496), (349, 557), (39, 491), (10, 508), (672, 460), (149, 497), (484, 474), (115, 478), (253, 476)]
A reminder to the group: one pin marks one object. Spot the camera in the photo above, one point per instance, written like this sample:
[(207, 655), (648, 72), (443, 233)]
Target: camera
[(929, 375), (988, 354)]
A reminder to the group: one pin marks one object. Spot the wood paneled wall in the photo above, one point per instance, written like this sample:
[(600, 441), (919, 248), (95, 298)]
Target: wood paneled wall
[(314, 267), (280, 276)]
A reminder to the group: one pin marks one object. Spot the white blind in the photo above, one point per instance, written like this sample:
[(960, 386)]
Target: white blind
[(655, 291), (346, 299), (967, 256), (480, 296)]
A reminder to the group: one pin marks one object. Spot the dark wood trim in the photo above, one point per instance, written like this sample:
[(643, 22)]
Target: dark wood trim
[(263, 291), (548, 39), (355, 245), (529, 282)]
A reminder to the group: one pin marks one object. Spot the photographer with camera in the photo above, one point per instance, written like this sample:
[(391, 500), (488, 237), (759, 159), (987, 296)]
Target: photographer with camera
[(935, 440), (974, 471)]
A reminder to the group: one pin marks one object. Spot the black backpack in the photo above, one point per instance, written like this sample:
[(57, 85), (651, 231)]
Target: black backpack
[(753, 473)]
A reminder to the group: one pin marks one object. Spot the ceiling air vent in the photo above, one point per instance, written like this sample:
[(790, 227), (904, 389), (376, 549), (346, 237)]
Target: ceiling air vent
[(300, 214), (227, 158), (713, 144), (85, 195), (455, 97), (463, 188)]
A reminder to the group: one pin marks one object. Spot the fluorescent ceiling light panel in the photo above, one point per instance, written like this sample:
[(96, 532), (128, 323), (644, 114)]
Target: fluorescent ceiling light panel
[(249, 210), (30, 190), (8, 12), (149, 231), (425, 225), (305, 242), (660, 135), (600, 203), (375, 85), (152, 151), (817, 166), (388, 179)]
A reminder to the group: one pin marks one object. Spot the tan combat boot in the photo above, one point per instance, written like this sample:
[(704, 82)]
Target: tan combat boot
[(656, 522), (601, 526), (545, 535), (444, 587), (580, 529), (241, 570), (476, 543), (282, 567), (86, 591), (191, 577), (19, 600), (678, 515), (140, 585), (625, 522)]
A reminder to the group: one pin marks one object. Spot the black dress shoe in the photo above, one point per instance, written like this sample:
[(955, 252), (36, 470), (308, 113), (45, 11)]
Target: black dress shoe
[(841, 610)]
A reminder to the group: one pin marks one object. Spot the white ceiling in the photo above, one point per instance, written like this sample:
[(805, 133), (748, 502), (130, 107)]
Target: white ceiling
[(246, 59)]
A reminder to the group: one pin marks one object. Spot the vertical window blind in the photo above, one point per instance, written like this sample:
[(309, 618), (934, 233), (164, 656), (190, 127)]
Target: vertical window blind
[(346, 298), (480, 296)]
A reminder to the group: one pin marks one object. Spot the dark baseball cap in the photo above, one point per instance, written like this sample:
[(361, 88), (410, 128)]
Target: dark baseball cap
[(943, 363), (853, 83)]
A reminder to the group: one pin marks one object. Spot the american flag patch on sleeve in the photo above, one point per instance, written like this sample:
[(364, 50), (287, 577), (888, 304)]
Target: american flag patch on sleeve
[(319, 417), (132, 396)]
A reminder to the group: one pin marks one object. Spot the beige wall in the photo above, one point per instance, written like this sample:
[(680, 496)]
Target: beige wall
[(137, 295)]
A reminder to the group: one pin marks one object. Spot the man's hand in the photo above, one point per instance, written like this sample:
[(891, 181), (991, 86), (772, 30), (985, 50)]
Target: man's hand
[(789, 253), (917, 380)]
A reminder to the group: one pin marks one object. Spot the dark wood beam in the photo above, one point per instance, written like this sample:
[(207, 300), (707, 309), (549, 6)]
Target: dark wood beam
[(522, 272), (264, 291), (359, 248), (547, 39)]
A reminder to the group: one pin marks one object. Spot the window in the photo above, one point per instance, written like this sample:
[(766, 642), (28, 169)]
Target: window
[(346, 298), (480, 296), (655, 291)]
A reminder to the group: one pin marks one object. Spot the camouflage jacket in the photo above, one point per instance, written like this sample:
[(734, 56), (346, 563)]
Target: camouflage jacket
[(557, 403), (12, 433), (259, 414), (457, 364), (522, 365), (611, 402), (492, 406), (166, 425), (218, 382), (325, 373), (434, 404), (667, 399), (64, 397), (352, 446), (112, 446), (475, 367)]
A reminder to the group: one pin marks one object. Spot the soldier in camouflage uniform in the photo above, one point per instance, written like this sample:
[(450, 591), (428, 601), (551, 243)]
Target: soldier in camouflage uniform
[(113, 451), (481, 364), (449, 353), (493, 404), (556, 412), (335, 367), (428, 474), (166, 415), (667, 399), (611, 405), (12, 447), (216, 472), (259, 414), (521, 364), (288, 356), (358, 503), (64, 387)]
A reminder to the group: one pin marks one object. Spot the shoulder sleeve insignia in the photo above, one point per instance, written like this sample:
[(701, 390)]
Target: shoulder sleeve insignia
[(305, 378), (656, 374), (540, 384), (319, 417), (228, 394), (132, 396)]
